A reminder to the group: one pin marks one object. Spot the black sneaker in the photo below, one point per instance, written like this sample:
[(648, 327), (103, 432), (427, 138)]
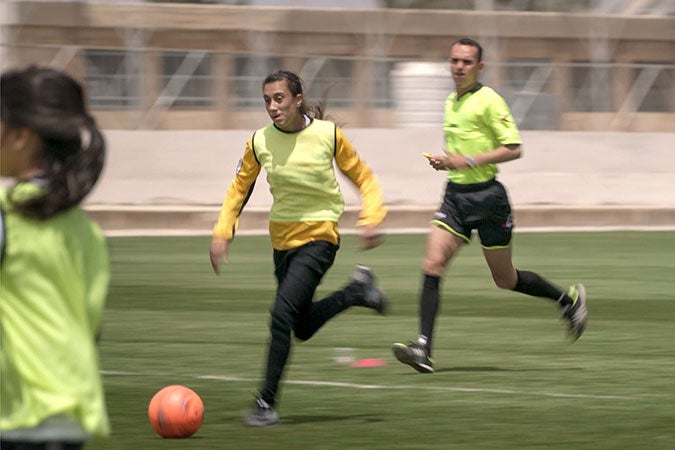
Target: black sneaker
[(415, 355), (576, 313), (369, 296), (263, 415)]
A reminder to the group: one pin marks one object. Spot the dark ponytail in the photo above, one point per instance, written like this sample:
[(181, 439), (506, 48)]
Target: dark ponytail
[(52, 104)]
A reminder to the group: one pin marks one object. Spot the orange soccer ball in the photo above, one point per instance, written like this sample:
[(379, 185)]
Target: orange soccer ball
[(176, 412)]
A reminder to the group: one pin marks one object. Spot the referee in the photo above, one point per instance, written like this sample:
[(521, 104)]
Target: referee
[(479, 134)]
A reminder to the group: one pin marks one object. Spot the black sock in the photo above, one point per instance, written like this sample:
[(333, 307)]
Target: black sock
[(532, 284), (429, 306)]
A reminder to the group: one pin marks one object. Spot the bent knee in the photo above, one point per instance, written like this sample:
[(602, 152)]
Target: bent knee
[(433, 267), (302, 335)]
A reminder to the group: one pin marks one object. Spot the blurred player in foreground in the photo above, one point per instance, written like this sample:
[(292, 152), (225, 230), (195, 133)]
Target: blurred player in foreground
[(479, 134), (297, 151), (54, 265)]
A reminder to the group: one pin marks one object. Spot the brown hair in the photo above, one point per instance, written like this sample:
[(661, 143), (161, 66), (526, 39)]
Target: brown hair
[(52, 104), (296, 86)]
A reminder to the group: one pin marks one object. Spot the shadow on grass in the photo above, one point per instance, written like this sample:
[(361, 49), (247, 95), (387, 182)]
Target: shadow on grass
[(500, 369), (317, 418), (496, 369)]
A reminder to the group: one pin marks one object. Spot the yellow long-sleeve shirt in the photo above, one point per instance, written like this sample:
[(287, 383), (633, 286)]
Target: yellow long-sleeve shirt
[(307, 202)]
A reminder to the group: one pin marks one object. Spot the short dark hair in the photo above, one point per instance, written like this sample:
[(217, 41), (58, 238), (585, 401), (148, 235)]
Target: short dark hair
[(472, 43)]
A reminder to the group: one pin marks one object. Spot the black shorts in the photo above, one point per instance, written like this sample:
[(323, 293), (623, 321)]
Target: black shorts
[(482, 206)]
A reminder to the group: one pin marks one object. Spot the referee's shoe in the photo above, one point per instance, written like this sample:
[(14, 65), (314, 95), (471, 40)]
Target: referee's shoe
[(576, 313)]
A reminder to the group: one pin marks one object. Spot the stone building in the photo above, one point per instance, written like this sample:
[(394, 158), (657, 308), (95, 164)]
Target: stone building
[(168, 66)]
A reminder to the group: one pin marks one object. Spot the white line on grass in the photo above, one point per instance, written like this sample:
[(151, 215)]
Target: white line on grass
[(426, 388), (392, 387)]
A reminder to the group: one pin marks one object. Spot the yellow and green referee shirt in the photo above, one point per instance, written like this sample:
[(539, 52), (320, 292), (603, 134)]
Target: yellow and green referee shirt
[(307, 201), (477, 122), (54, 283)]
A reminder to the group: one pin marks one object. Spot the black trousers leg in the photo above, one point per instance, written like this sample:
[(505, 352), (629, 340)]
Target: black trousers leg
[(299, 272)]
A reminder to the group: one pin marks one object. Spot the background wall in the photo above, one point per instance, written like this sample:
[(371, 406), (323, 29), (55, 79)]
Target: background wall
[(558, 168), (172, 176)]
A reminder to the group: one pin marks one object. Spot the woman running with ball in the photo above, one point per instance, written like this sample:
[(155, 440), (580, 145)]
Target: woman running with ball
[(297, 151)]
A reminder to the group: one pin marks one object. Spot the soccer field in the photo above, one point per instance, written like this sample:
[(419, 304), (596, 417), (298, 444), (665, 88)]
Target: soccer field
[(506, 376)]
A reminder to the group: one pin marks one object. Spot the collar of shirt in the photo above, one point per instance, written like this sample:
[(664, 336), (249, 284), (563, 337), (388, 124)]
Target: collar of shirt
[(476, 87)]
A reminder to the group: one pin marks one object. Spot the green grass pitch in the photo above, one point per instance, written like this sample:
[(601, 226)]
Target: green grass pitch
[(506, 376)]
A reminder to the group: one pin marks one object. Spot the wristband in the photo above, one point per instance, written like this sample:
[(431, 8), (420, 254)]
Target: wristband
[(470, 161)]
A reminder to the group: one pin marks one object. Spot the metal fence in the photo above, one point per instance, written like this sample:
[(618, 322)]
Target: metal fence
[(539, 91)]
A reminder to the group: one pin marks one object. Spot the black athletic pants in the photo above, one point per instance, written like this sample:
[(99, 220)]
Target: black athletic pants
[(299, 272)]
